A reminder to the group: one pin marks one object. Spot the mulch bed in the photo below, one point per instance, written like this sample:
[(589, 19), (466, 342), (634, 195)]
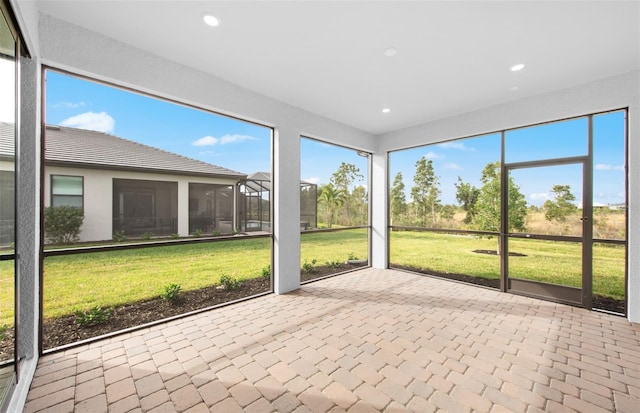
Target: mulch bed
[(599, 302), (61, 331)]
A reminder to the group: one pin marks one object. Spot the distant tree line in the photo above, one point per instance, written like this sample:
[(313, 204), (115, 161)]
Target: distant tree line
[(481, 206)]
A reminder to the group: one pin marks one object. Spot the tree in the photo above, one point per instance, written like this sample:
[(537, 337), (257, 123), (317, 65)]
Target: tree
[(346, 175), (487, 208), (425, 193), (398, 201), (447, 212), (467, 196), (332, 198), (359, 201), (62, 224), (561, 207)]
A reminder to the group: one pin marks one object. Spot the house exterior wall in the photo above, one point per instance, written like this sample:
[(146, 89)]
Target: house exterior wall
[(98, 196)]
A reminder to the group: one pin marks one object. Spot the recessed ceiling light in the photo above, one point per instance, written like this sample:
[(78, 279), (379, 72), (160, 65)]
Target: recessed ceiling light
[(211, 20), (517, 67), (386, 110), (390, 52)]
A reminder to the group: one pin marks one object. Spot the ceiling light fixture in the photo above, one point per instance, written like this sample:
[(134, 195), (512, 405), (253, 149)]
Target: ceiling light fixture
[(391, 51), (386, 110), (211, 20), (517, 67)]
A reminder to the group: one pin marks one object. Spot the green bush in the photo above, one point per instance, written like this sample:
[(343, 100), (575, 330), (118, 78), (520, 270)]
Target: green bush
[(352, 257), (175, 235), (333, 264), (229, 283), (266, 271), (94, 316), (307, 267), (3, 331), (171, 293), (146, 236), (62, 224), (197, 233), (119, 236)]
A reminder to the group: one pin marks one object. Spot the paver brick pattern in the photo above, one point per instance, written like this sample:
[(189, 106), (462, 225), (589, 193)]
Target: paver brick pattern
[(366, 341)]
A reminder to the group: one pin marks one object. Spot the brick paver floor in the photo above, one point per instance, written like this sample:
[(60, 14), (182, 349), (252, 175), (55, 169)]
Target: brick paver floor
[(368, 341)]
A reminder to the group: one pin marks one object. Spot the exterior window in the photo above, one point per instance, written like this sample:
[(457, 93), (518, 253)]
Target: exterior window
[(210, 208), (67, 191), (141, 207)]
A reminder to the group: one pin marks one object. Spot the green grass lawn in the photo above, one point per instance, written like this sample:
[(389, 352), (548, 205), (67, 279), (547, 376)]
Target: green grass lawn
[(547, 261), (78, 282), (81, 281), (333, 246)]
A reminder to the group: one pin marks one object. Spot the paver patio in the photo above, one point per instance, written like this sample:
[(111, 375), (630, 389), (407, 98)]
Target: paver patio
[(367, 341)]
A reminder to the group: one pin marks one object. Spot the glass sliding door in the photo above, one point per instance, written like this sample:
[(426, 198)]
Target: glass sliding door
[(7, 206)]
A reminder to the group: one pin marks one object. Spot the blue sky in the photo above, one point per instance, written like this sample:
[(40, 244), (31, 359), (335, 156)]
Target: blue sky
[(223, 141), (467, 157), (246, 147), (220, 140)]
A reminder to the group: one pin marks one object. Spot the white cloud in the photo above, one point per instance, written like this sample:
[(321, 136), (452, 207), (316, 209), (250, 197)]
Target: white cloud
[(211, 141), (68, 105), (541, 196), (432, 155), (456, 145), (607, 167), (206, 141), (100, 122), (453, 167), (313, 180)]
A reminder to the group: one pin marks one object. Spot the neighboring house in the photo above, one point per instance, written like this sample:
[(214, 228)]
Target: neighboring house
[(126, 186), (7, 184), (131, 188)]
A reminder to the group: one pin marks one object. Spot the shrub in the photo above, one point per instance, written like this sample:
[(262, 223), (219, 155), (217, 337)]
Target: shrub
[(216, 233), (94, 316), (119, 236), (308, 267), (266, 271), (146, 236), (62, 224), (333, 264), (175, 235), (229, 283), (352, 257), (197, 233), (171, 293), (3, 331)]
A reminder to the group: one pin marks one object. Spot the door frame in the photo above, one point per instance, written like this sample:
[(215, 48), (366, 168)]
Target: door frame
[(564, 294)]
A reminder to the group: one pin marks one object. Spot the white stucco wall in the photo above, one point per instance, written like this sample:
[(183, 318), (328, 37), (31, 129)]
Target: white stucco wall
[(607, 94), (98, 196)]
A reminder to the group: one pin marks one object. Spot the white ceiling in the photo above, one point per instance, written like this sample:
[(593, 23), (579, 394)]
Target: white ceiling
[(328, 56)]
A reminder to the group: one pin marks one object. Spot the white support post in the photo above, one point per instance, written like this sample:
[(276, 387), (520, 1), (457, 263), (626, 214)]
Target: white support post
[(286, 210)]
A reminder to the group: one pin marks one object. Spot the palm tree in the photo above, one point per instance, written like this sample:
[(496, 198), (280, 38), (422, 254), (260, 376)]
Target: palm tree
[(333, 198)]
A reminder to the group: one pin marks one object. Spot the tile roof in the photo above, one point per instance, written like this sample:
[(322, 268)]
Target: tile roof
[(80, 147)]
